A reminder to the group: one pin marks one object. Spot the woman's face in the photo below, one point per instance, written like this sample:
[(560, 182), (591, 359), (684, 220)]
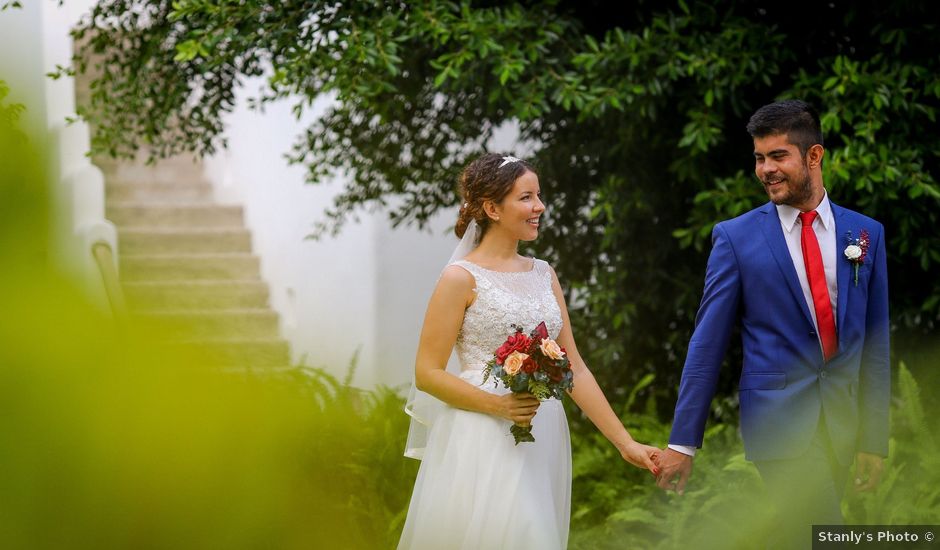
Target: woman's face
[(519, 210)]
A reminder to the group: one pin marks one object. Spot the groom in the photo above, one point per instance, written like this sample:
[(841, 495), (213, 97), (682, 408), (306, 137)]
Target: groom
[(807, 282)]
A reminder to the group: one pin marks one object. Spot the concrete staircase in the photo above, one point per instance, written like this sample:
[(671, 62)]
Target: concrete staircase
[(186, 265)]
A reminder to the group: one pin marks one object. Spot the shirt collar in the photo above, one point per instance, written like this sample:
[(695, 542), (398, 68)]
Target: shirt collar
[(788, 215)]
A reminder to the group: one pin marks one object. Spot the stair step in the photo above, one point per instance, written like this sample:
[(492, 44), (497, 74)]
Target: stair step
[(135, 214), (182, 267), (177, 191), (208, 294), (252, 324), (183, 167), (265, 352), (162, 240)]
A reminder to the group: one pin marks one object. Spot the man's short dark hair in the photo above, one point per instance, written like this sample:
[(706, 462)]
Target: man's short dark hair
[(797, 119)]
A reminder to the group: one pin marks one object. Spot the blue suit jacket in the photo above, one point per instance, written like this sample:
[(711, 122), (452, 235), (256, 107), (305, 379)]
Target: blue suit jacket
[(785, 385)]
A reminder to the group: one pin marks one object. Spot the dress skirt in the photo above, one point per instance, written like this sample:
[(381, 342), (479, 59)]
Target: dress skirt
[(477, 490)]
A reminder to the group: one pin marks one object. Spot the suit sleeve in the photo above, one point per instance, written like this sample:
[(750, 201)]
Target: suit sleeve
[(713, 326), (875, 371)]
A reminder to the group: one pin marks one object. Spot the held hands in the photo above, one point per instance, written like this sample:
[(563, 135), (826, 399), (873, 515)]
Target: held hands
[(674, 470), (641, 456), (520, 408)]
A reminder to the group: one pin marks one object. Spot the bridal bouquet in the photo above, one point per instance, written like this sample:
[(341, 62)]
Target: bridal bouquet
[(531, 363)]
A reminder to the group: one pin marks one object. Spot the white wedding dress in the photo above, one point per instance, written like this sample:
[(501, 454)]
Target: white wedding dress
[(475, 489)]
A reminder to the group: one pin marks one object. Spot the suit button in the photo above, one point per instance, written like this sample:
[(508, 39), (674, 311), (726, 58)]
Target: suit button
[(822, 374), (811, 333)]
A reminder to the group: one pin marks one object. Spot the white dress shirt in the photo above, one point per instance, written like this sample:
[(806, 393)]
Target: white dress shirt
[(825, 228)]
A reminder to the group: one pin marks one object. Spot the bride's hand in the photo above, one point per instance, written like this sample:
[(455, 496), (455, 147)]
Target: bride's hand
[(641, 456), (517, 407)]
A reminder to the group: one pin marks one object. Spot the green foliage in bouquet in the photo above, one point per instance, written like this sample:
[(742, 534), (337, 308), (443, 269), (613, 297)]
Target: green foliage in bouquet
[(533, 364)]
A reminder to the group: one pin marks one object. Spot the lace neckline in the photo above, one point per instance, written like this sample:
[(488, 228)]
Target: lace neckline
[(530, 270)]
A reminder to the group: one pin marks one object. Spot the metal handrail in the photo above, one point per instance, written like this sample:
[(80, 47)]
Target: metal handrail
[(107, 266)]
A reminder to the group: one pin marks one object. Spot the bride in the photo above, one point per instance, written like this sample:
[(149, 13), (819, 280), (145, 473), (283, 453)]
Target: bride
[(475, 489)]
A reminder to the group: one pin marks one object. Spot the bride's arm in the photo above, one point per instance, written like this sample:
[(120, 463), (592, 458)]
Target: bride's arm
[(442, 321), (590, 398)]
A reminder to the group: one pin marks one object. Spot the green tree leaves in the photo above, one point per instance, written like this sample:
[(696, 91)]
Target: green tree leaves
[(637, 118)]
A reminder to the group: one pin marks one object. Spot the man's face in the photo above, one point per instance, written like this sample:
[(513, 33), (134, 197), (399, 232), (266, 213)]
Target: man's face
[(782, 170)]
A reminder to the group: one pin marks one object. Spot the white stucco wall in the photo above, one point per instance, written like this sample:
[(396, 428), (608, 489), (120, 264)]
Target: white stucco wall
[(22, 60), (34, 40), (408, 265), (364, 290)]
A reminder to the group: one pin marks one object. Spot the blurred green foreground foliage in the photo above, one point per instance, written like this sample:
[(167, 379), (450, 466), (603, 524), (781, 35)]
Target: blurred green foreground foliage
[(114, 443), (111, 443)]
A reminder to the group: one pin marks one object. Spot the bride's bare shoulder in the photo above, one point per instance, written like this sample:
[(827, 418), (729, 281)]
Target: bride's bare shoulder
[(456, 283)]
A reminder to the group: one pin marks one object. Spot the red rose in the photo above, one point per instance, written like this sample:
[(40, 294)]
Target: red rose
[(529, 365), (516, 342)]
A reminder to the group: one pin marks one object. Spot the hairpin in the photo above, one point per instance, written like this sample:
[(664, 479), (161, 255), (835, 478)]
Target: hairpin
[(508, 160)]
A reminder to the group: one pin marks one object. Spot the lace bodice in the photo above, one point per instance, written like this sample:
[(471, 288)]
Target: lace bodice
[(503, 299)]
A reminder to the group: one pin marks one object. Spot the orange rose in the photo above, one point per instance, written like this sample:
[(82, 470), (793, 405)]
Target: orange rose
[(551, 349), (513, 363)]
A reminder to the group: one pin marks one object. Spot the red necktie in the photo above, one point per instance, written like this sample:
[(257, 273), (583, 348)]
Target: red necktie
[(816, 275)]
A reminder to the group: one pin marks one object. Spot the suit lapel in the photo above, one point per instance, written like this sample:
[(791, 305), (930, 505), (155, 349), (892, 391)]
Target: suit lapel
[(773, 233), (843, 270)]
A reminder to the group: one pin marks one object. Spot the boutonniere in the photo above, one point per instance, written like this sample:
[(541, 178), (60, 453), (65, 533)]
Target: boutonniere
[(856, 250)]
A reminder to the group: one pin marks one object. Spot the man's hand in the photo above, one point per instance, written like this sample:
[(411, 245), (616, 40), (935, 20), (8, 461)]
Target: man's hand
[(868, 468), (674, 470)]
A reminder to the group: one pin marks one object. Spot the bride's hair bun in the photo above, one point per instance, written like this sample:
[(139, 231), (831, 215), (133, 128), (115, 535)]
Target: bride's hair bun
[(488, 178)]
